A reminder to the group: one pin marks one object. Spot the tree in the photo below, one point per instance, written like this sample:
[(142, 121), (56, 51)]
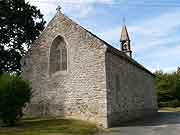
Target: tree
[(15, 93), (20, 25), (168, 88), (178, 70)]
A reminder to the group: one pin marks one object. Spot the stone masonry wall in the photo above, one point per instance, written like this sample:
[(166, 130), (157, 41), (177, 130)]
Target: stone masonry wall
[(130, 90), (79, 92)]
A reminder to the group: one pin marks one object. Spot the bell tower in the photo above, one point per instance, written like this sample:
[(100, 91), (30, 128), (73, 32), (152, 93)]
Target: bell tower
[(125, 42)]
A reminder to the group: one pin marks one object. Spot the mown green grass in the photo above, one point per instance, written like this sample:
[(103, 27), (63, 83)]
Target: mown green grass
[(50, 126), (170, 109)]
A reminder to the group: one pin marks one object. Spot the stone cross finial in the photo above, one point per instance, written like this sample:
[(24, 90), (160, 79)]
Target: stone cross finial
[(59, 8)]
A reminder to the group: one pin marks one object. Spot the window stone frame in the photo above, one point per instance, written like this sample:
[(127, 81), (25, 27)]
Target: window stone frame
[(50, 52)]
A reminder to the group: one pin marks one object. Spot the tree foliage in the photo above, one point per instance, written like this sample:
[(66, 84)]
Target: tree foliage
[(14, 94), (20, 25), (168, 88)]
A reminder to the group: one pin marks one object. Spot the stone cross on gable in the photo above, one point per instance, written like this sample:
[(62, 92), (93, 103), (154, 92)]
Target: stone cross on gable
[(59, 8)]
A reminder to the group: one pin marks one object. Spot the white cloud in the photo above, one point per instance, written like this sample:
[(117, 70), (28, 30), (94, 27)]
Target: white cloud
[(87, 1), (48, 8), (80, 8), (158, 27)]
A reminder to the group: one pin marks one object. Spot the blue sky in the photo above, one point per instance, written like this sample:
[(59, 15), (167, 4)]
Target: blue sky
[(154, 26)]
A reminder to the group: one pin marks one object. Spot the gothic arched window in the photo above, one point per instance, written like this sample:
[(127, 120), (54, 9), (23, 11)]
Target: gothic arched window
[(58, 55)]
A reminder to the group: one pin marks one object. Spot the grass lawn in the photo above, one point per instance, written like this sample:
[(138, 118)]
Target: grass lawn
[(50, 126), (170, 109)]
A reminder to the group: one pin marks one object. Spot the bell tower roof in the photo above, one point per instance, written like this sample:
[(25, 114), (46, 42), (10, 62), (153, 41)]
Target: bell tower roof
[(124, 34), (125, 43)]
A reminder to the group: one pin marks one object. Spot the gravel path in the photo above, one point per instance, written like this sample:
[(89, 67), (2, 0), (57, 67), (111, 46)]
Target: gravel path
[(165, 123)]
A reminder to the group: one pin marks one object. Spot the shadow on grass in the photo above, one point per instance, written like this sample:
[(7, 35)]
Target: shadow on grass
[(161, 118)]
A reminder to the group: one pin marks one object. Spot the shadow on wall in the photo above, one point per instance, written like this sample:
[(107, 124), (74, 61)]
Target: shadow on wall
[(160, 118), (47, 70), (51, 105)]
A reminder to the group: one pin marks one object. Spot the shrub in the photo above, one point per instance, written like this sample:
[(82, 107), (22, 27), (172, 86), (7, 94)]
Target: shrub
[(15, 93), (173, 103)]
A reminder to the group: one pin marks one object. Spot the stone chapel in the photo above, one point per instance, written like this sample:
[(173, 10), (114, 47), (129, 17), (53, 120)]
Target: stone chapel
[(75, 74)]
